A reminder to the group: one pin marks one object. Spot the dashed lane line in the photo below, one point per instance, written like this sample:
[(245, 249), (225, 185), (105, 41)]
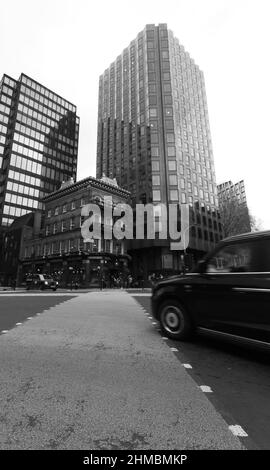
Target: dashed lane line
[(238, 430), (206, 389)]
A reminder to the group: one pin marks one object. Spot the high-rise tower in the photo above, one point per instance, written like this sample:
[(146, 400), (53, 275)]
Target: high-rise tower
[(38, 145), (153, 131)]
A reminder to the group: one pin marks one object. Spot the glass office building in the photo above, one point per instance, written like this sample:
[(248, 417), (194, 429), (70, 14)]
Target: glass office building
[(154, 134), (39, 133)]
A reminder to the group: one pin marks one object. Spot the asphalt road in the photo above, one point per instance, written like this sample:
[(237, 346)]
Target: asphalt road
[(239, 378), (93, 373), (17, 308)]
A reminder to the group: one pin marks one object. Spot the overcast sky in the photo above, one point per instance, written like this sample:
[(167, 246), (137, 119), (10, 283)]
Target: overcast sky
[(67, 44)]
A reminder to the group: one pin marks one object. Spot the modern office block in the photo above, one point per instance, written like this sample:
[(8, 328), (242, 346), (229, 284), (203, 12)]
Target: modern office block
[(39, 133), (153, 131)]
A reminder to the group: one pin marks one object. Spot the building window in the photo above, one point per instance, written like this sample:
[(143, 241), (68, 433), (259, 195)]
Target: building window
[(72, 223), (95, 246), (156, 195), (155, 165), (167, 86), (168, 111), (108, 246), (170, 138), (49, 213), (155, 151), (73, 205), (156, 180), (174, 195), (154, 139), (54, 228), (56, 211), (64, 208), (173, 180), (171, 151), (72, 245), (153, 112), (172, 165), (167, 99)]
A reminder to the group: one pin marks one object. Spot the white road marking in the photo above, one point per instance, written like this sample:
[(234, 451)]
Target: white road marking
[(29, 318), (4, 331), (165, 337), (238, 430), (17, 324), (174, 349), (154, 323), (62, 294), (206, 389), (187, 366)]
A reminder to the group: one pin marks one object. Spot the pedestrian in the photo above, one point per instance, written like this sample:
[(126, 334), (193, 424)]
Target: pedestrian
[(130, 280)]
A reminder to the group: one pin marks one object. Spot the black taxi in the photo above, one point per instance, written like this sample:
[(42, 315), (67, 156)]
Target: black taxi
[(227, 293)]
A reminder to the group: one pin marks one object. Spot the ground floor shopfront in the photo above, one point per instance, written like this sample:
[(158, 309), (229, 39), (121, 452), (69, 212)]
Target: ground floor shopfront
[(161, 261), (79, 269)]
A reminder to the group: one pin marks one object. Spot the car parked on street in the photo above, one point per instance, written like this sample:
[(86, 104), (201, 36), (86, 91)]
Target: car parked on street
[(227, 293), (41, 281)]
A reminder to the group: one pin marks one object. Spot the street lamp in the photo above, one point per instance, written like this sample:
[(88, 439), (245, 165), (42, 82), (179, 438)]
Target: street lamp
[(184, 242), (101, 273)]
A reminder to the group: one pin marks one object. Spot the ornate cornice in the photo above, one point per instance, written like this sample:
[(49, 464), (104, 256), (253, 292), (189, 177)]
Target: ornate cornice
[(85, 183)]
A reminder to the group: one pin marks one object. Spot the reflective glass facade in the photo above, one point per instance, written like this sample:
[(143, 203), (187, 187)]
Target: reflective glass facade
[(39, 134), (153, 129)]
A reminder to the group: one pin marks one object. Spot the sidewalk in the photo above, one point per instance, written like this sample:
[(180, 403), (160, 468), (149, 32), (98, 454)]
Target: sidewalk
[(11, 289), (93, 373), (23, 291)]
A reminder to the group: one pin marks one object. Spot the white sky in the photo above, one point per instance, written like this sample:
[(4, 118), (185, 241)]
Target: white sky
[(67, 44)]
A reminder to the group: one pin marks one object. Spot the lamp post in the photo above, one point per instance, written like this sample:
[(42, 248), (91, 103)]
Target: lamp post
[(184, 240), (101, 273), (71, 276)]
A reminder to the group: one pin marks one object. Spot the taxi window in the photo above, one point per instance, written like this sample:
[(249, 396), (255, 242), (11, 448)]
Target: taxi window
[(231, 258)]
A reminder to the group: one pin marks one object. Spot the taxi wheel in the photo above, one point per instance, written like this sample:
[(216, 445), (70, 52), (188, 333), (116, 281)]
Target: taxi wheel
[(175, 321)]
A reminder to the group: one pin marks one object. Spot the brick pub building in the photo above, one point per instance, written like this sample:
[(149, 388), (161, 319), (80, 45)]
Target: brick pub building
[(56, 247)]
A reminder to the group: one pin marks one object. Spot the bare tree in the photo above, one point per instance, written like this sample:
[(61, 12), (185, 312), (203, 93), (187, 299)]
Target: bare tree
[(234, 217), (255, 223)]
